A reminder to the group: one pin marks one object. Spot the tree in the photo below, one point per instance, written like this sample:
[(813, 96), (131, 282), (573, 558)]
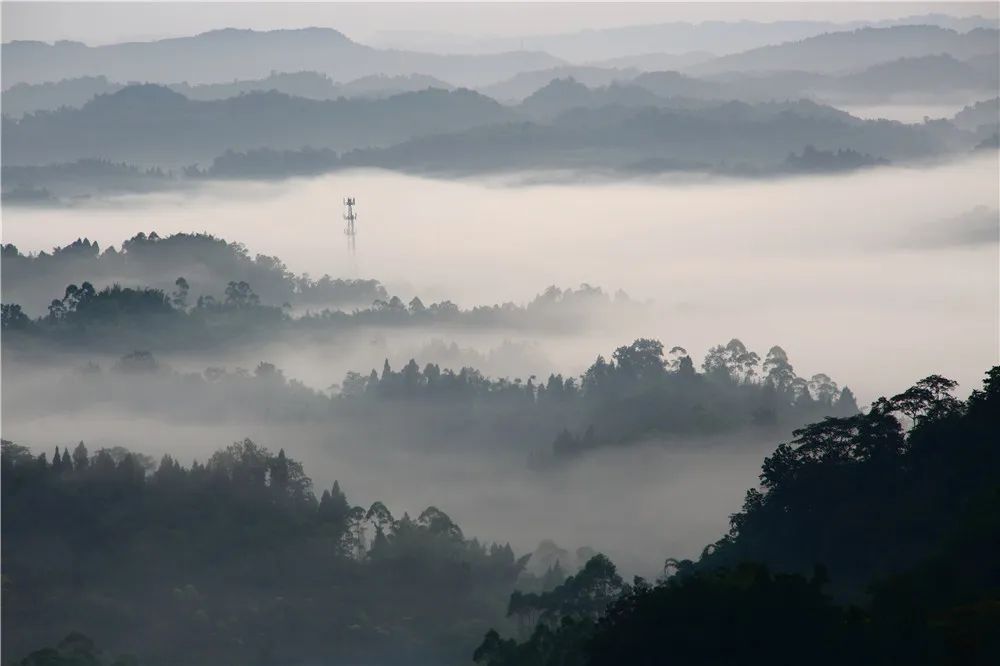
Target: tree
[(240, 295), (410, 374), (824, 389), (640, 361), (437, 521), (80, 458), (740, 362), (356, 532), (928, 398), (847, 405), (57, 311), (676, 360), (354, 384), (381, 519), (13, 318), (778, 372), (803, 397), (179, 297), (279, 474), (333, 506), (715, 361)]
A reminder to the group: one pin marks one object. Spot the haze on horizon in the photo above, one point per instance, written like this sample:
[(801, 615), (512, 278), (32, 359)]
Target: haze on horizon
[(97, 23)]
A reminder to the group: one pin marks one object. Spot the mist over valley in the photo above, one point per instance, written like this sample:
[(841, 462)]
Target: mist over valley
[(430, 346)]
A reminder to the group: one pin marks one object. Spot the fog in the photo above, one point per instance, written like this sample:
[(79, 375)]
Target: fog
[(827, 267), (907, 112), (679, 499), (823, 266)]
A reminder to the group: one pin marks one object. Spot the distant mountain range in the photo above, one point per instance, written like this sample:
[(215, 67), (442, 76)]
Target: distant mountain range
[(24, 98), (239, 103), (732, 137), (718, 37), (520, 86), (566, 125), (845, 52), (153, 125), (914, 79), (225, 56), (230, 54)]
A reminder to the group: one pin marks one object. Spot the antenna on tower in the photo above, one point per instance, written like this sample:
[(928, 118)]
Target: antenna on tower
[(350, 216)]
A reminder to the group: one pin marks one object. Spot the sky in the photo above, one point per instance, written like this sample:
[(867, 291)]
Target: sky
[(110, 22)]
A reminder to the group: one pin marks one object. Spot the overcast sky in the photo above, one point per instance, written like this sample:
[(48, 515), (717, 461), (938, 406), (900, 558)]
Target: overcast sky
[(108, 22)]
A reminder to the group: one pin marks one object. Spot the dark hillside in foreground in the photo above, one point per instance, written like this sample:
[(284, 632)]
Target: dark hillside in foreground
[(906, 524)]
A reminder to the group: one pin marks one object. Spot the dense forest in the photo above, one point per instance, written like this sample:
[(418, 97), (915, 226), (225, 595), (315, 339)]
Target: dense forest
[(206, 264), (234, 561), (640, 394), (871, 540), (115, 316)]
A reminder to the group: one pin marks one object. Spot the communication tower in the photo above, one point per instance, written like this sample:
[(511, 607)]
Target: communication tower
[(351, 217)]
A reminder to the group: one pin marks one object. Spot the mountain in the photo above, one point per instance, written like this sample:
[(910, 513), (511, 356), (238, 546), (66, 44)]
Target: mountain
[(310, 85), (313, 85), (379, 85), (520, 86), (732, 137), (932, 73), (656, 61), (988, 64), (984, 113), (562, 95), (230, 54), (921, 79), (594, 46), (675, 84), (24, 98), (153, 125), (843, 52)]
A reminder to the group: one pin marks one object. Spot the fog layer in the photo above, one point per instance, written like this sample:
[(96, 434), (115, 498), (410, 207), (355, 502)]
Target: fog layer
[(824, 266)]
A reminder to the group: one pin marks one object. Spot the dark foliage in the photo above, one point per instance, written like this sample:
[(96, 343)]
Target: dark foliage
[(913, 513), (205, 262), (234, 561), (638, 394), (142, 317)]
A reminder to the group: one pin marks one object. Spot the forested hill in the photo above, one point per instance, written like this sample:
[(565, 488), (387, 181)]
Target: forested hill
[(151, 124), (895, 511), (206, 264), (459, 130), (168, 565), (234, 561)]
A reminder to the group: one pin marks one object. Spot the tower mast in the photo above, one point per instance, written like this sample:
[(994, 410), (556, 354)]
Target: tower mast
[(350, 216)]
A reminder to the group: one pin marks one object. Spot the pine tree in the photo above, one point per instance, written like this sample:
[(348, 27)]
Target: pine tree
[(279, 473), (80, 458)]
